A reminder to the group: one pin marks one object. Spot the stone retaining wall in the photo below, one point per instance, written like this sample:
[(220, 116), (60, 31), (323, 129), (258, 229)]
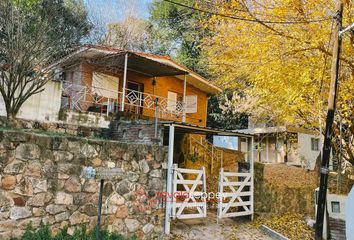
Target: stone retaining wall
[(56, 127), (272, 199), (41, 180)]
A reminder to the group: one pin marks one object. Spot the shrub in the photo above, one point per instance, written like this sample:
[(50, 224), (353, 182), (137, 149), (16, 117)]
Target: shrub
[(80, 233)]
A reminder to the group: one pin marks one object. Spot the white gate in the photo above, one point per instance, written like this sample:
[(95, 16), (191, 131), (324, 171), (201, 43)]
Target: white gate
[(192, 204), (235, 194)]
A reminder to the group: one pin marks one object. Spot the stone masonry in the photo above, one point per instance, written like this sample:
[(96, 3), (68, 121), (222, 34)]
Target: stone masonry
[(41, 180)]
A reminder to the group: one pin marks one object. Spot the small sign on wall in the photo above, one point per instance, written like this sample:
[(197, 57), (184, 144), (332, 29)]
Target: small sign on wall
[(191, 104)]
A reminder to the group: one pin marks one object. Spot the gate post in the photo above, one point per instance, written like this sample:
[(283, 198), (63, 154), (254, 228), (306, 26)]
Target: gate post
[(220, 193), (252, 176), (169, 179)]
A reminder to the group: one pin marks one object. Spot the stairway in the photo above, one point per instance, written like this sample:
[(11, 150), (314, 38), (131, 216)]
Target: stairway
[(210, 155)]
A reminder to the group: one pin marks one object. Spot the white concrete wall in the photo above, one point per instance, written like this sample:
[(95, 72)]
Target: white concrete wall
[(89, 119), (304, 149), (43, 106), (342, 202)]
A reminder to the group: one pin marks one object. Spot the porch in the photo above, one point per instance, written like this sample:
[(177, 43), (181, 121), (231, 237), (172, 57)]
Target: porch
[(108, 102), (107, 81)]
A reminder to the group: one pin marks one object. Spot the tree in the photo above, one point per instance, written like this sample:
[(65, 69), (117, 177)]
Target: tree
[(280, 50), (182, 29), (33, 34), (223, 114)]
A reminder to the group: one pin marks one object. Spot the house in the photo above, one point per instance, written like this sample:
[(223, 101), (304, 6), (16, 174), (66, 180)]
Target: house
[(107, 81), (293, 146), (104, 81), (151, 100)]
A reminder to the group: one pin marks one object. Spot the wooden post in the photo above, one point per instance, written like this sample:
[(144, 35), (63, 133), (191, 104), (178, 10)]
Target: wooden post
[(322, 196)]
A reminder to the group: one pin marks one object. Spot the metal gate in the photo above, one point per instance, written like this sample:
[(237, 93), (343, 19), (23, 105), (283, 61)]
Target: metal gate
[(235, 194), (188, 201)]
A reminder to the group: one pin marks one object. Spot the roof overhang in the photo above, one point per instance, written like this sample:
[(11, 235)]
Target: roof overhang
[(195, 129), (280, 129), (193, 78)]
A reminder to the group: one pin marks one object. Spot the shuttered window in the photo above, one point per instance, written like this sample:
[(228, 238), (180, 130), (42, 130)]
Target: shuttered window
[(191, 104), (171, 101), (105, 85)]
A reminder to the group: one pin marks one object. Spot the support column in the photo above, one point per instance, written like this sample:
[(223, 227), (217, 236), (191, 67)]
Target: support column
[(184, 98), (247, 149), (124, 81), (169, 197), (252, 176), (267, 148)]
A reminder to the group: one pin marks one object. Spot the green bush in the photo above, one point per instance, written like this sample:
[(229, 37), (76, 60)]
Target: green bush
[(80, 233)]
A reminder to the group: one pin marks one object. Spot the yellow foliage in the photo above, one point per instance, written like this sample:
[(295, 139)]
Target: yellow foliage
[(283, 68), (291, 225)]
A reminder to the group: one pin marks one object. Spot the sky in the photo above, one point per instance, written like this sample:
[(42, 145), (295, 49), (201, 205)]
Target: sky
[(107, 11)]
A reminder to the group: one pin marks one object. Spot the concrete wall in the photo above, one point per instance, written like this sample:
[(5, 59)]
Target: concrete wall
[(341, 199), (42, 180), (305, 151), (43, 106)]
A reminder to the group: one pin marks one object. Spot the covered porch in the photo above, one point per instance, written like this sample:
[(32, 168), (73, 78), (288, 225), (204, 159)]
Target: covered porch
[(110, 80)]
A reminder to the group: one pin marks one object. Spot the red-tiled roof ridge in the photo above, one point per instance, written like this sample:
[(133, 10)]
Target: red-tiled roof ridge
[(113, 49)]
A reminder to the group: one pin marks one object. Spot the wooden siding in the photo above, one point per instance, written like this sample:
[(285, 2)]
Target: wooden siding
[(163, 85)]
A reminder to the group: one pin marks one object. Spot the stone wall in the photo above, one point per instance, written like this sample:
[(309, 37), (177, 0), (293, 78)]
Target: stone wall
[(130, 128), (270, 198), (41, 180), (56, 127)]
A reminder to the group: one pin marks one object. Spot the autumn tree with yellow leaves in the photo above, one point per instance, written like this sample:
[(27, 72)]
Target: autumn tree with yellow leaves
[(277, 53)]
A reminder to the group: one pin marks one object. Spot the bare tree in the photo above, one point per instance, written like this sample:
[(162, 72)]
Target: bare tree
[(132, 34), (32, 35), (121, 24)]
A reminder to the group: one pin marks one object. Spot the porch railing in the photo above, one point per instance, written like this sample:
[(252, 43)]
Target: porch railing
[(95, 99), (166, 107), (89, 98)]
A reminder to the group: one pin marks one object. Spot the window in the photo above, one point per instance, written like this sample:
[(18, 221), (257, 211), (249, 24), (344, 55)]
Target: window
[(105, 85), (191, 104), (335, 207), (171, 101), (315, 144)]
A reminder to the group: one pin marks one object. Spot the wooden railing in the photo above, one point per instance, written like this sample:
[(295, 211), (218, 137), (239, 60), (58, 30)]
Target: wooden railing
[(213, 156)]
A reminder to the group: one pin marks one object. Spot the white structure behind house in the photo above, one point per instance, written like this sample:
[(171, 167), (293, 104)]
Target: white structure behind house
[(43, 106), (337, 215), (285, 145), (308, 148)]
